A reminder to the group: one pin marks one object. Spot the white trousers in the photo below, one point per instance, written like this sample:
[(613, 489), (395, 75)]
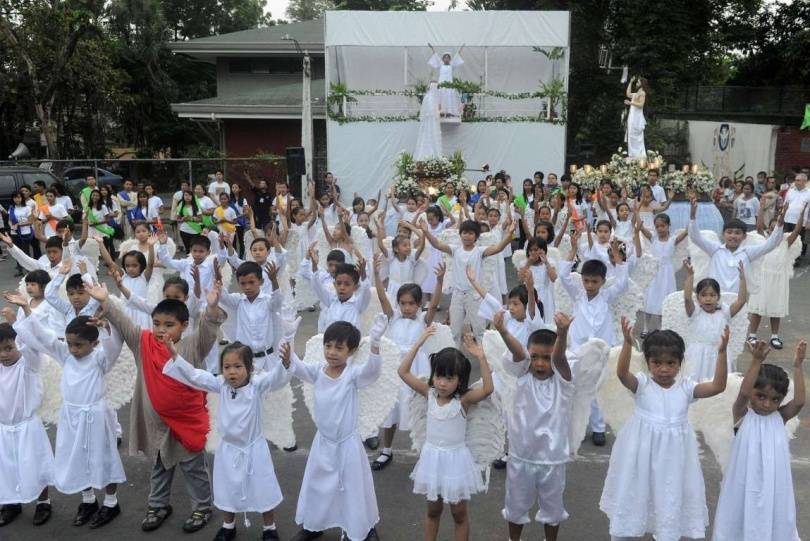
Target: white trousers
[(464, 314), (527, 484)]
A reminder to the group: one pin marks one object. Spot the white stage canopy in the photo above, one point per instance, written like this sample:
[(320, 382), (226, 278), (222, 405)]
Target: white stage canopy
[(380, 58)]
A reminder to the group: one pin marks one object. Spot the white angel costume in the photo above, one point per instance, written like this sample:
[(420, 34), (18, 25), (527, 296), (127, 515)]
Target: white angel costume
[(756, 498), (154, 292), (446, 468), (654, 482), (772, 296), (543, 286), (635, 130), (434, 258), (139, 289), (26, 458), (429, 137), (705, 330), (86, 450), (244, 478), (338, 490), (664, 282), (449, 100)]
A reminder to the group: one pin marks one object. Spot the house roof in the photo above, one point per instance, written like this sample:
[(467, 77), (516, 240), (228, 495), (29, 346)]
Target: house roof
[(257, 41), (279, 100)]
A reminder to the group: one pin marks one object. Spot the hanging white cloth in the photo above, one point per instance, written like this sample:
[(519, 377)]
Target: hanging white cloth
[(635, 132), (429, 138)]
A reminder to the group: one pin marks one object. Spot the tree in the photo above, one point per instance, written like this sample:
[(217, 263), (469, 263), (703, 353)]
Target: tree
[(307, 10), (44, 36), (384, 5)]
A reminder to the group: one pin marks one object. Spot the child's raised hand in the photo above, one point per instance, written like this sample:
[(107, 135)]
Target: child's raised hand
[(67, 264), (473, 347), (724, 339), (627, 330), (528, 278), (212, 295), (271, 269), (378, 328), (498, 321), (284, 353), (759, 350), (563, 321), (16, 298), (97, 291), (693, 206), (217, 272), (6, 239), (429, 331), (440, 269), (687, 265), (82, 264), (801, 350), (361, 267), (741, 270), (152, 240), (162, 236)]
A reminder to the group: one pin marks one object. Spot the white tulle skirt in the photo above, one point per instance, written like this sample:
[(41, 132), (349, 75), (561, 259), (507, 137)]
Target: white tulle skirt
[(444, 473)]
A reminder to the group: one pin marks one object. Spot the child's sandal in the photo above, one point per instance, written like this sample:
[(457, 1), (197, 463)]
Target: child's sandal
[(155, 517), (383, 460)]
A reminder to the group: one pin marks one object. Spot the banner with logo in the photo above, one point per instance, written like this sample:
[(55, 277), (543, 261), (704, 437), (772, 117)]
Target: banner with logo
[(733, 149)]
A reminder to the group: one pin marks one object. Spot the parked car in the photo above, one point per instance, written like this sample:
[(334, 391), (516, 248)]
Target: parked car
[(14, 176), (74, 178)]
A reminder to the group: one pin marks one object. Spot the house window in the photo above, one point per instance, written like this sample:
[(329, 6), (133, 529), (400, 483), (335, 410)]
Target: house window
[(239, 65)]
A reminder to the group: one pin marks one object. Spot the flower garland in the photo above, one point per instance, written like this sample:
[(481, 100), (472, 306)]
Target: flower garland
[(685, 183)]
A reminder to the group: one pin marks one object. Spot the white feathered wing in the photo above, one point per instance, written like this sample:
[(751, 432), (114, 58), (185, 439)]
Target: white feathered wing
[(588, 373)]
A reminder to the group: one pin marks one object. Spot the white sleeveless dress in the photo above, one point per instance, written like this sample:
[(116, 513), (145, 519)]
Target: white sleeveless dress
[(446, 468), (705, 330), (664, 282)]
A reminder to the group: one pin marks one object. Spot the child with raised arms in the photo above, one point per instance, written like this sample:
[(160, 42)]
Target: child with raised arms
[(446, 471), (756, 498), (338, 490), (654, 482), (244, 477)]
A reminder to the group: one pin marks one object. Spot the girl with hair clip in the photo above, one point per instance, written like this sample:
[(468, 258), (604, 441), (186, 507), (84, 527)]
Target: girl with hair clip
[(446, 470), (244, 478), (707, 321), (756, 498), (654, 482)]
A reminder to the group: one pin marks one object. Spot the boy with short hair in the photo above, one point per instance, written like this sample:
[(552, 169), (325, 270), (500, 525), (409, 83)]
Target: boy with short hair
[(465, 300), (538, 427), (593, 316), (51, 260), (26, 461), (347, 300), (79, 302), (199, 250), (727, 256), (169, 420)]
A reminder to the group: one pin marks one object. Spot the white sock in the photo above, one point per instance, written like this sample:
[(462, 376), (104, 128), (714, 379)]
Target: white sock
[(752, 335), (110, 500), (774, 336), (88, 496), (386, 450), (271, 527), (46, 500), (229, 525)]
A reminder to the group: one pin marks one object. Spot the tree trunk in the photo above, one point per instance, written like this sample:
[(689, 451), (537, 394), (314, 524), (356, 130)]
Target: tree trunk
[(48, 129)]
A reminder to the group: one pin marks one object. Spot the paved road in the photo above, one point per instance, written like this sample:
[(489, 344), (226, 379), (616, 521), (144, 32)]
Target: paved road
[(401, 511)]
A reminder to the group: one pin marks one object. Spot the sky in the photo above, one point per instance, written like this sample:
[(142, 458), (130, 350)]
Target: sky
[(278, 8)]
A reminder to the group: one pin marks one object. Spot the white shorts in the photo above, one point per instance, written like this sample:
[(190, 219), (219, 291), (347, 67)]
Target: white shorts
[(529, 483)]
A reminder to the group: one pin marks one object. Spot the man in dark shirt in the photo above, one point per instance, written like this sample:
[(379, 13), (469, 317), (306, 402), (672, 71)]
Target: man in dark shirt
[(262, 201)]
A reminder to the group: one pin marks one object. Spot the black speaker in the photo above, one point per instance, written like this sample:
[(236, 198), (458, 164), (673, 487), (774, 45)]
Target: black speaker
[(296, 162)]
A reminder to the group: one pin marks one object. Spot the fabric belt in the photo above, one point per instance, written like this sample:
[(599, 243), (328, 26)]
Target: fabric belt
[(260, 354)]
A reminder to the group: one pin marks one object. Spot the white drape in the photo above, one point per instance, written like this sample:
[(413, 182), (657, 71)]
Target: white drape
[(429, 138)]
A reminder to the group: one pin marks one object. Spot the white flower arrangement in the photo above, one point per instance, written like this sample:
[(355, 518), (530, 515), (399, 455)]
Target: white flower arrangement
[(433, 171), (700, 182)]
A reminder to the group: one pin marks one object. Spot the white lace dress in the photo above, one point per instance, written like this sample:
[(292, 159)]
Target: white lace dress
[(405, 332), (664, 282), (446, 468), (654, 482), (705, 330), (756, 499)]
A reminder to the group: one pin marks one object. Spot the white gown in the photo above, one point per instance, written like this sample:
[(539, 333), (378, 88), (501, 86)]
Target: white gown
[(635, 132), (435, 258), (337, 490), (26, 458), (138, 287), (429, 137), (404, 333), (544, 290), (450, 102), (756, 498), (155, 288), (705, 330), (446, 467), (654, 482), (664, 282), (772, 297), (244, 478)]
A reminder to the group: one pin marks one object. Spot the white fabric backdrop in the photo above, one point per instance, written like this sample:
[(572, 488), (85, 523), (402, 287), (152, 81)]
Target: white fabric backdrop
[(362, 154), (753, 147)]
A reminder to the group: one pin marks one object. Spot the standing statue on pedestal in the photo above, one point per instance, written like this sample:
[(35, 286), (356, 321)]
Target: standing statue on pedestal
[(635, 118), (449, 99), (429, 138)]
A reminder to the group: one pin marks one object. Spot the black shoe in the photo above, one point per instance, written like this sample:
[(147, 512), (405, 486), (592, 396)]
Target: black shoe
[(270, 535), (776, 343), (225, 534), (372, 535), (499, 464), (598, 439), (85, 513), (382, 461), (42, 513), (197, 521), (104, 516), (9, 512), (118, 441), (306, 535), (292, 448), (155, 516), (372, 443)]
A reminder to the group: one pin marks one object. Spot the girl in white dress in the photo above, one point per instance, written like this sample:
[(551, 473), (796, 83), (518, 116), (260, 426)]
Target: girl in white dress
[(654, 482), (707, 321), (338, 490), (756, 498), (86, 455), (401, 258), (662, 247), (244, 479), (26, 458), (446, 470), (133, 283), (436, 224), (449, 102), (405, 325), (141, 243), (544, 274)]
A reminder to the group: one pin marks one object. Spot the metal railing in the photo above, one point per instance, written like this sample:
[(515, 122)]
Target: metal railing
[(755, 100)]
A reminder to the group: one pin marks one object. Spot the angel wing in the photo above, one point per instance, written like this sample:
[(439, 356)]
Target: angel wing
[(91, 251), (489, 266), (562, 250), (375, 400), (417, 414), (713, 418), (497, 353), (681, 252), (248, 241), (450, 237), (361, 242), (374, 307), (519, 259), (753, 238), (588, 374), (486, 432), (442, 338), (562, 300), (700, 259), (293, 248), (616, 400), (673, 314), (738, 329)]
